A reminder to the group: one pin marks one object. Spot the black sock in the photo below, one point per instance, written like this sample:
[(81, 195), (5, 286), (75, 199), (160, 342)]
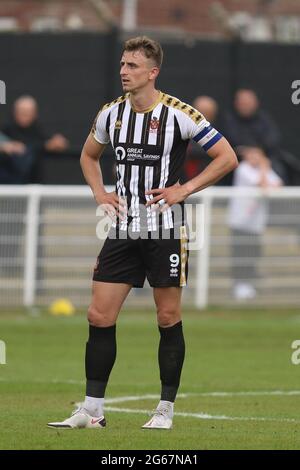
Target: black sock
[(170, 357), (101, 351)]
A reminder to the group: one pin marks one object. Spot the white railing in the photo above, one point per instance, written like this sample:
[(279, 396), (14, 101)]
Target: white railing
[(48, 246)]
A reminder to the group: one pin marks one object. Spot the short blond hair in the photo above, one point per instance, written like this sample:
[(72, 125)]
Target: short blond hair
[(152, 49)]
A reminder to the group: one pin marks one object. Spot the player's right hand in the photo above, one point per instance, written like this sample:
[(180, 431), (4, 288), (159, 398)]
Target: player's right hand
[(113, 205)]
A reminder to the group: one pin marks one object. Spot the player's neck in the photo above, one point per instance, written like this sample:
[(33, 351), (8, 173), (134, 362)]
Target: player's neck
[(142, 100)]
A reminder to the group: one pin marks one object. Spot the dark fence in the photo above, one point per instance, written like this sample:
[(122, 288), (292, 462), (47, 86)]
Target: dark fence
[(72, 75)]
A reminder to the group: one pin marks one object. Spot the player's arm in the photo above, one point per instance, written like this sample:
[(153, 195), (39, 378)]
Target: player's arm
[(89, 161), (223, 161)]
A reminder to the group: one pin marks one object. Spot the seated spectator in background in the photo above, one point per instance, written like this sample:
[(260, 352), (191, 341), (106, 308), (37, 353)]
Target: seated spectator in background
[(15, 161), (196, 158), (247, 218), (25, 128), (248, 125), (208, 107)]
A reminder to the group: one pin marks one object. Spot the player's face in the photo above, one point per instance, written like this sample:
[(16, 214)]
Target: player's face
[(136, 71)]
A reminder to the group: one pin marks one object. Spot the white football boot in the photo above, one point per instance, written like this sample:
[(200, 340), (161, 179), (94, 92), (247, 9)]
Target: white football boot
[(162, 418), (80, 418)]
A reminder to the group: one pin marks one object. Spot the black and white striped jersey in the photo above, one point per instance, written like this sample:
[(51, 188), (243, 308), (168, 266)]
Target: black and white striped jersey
[(150, 149)]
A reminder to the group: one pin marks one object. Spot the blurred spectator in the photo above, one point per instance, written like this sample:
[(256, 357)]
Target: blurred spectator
[(26, 129), (15, 161), (248, 125), (207, 106), (248, 217)]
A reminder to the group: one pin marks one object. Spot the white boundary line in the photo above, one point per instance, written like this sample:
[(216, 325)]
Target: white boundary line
[(206, 416), (207, 394)]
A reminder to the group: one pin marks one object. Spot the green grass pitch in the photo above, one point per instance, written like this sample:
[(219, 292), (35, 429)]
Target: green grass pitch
[(244, 355)]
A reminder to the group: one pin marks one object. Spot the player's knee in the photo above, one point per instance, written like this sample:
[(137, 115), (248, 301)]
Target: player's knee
[(98, 317), (168, 317)]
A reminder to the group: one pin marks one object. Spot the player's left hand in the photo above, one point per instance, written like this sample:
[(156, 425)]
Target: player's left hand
[(166, 197)]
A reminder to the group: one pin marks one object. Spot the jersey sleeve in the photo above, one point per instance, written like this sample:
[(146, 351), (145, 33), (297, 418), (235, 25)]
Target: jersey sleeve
[(194, 126), (205, 135), (99, 129)]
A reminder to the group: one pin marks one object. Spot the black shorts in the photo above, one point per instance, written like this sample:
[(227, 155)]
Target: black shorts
[(163, 261)]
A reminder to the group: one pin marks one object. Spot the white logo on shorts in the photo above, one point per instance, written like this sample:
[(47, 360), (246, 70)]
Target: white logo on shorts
[(174, 258)]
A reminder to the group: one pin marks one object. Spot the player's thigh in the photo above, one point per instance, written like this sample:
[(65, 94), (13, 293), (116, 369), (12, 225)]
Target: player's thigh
[(107, 300), (168, 305), (120, 262)]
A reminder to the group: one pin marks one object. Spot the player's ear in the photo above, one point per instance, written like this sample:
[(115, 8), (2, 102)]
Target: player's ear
[(153, 73)]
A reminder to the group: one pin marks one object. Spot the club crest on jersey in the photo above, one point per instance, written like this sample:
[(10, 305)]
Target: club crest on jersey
[(118, 125), (154, 125)]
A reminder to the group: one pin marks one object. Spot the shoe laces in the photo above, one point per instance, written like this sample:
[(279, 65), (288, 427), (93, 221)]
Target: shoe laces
[(79, 409), (165, 412)]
